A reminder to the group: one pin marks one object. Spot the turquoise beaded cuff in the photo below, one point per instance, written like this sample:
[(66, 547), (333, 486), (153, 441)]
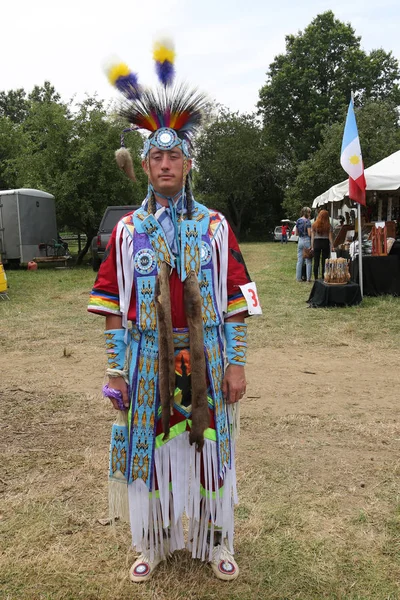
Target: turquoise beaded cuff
[(235, 342), (115, 348)]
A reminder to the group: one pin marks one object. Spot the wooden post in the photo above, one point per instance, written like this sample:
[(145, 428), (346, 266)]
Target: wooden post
[(389, 209)]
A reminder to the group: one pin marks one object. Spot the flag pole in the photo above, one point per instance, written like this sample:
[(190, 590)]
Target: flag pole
[(360, 269), (351, 161)]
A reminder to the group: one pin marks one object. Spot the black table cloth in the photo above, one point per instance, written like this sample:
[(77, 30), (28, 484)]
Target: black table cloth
[(395, 250), (323, 294), (381, 274)]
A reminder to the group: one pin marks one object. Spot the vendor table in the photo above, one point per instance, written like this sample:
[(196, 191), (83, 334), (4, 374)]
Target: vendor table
[(381, 274), (323, 294)]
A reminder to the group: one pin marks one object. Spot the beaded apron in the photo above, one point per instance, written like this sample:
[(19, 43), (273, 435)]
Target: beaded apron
[(149, 251)]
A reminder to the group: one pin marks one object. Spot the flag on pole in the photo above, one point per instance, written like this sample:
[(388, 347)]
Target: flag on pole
[(351, 158)]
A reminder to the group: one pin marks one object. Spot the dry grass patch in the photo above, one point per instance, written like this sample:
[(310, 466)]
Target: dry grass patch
[(318, 466)]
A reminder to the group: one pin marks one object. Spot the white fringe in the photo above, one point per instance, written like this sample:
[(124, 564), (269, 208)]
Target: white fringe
[(234, 420), (118, 505), (124, 250), (219, 245), (155, 520)]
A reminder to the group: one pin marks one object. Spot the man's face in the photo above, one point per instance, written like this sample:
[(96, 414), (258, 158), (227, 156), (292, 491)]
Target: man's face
[(166, 170)]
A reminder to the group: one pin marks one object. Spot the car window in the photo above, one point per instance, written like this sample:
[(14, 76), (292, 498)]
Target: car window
[(278, 229), (112, 217)]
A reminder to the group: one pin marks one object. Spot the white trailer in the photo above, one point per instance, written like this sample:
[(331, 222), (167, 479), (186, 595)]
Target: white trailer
[(27, 220)]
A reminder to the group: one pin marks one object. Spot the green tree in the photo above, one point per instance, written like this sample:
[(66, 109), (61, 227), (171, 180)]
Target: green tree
[(14, 105), (379, 133), (235, 171), (48, 131), (12, 142), (44, 93), (36, 133), (69, 152), (309, 86), (92, 180)]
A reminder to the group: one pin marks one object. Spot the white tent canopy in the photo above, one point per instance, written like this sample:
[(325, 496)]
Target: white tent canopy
[(382, 176)]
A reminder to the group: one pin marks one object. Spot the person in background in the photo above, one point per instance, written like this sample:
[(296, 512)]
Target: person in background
[(303, 230), (321, 241), (284, 238)]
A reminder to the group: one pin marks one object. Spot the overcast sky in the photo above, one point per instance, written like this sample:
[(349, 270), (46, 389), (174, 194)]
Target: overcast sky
[(222, 46)]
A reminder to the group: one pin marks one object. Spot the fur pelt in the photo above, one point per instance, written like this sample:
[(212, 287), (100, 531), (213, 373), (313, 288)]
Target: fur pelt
[(193, 310), (124, 161), (166, 358)]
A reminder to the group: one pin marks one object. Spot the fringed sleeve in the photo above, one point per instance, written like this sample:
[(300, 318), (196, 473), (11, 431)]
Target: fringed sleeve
[(229, 271), (124, 260), (219, 244), (113, 288), (104, 297)]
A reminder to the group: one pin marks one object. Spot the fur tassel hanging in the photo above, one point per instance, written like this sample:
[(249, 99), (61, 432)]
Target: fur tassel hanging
[(193, 309), (124, 161), (166, 357)]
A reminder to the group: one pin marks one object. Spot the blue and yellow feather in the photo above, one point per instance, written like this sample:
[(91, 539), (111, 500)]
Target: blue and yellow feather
[(164, 57), (121, 77)]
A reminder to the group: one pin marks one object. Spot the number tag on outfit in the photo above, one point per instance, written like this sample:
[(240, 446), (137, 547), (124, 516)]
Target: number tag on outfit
[(249, 292)]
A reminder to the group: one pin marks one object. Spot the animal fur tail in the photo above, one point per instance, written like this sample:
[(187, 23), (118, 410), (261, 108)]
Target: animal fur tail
[(124, 161), (200, 413), (166, 358)]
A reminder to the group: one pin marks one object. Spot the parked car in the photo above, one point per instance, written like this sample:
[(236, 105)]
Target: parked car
[(293, 237), (110, 218), (278, 233)]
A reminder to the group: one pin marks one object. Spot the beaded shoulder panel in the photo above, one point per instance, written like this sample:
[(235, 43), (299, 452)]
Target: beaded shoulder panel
[(216, 218)]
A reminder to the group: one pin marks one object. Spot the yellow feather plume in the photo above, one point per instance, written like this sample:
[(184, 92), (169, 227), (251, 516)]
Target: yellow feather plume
[(164, 50), (117, 70)]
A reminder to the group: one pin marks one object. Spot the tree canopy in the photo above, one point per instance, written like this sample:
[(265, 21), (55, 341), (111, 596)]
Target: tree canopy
[(379, 131), (236, 171), (68, 151), (308, 87), (255, 168)]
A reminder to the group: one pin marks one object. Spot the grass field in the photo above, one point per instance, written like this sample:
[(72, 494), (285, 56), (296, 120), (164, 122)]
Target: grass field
[(318, 459)]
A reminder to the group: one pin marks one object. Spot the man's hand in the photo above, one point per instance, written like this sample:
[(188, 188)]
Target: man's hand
[(234, 383), (118, 383)]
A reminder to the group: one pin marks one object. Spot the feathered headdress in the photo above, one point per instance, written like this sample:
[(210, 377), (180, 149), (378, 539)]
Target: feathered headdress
[(176, 108)]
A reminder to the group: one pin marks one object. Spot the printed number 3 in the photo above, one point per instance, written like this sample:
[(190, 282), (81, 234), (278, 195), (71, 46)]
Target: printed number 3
[(253, 297)]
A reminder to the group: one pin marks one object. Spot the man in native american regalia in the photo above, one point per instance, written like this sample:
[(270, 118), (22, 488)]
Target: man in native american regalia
[(175, 293)]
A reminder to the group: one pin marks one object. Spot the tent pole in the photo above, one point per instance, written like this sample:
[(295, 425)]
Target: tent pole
[(360, 270)]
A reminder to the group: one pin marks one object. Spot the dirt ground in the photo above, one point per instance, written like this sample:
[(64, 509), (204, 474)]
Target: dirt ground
[(318, 458), (285, 380), (318, 391)]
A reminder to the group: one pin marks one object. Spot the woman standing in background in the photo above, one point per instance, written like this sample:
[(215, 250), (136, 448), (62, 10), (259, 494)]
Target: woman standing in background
[(321, 241), (303, 230)]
